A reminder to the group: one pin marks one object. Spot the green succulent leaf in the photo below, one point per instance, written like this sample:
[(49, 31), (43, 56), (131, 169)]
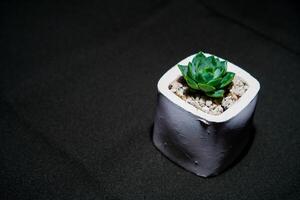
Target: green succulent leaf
[(223, 66), (210, 60), (215, 82), (199, 78), (215, 94), (218, 73), (191, 71), (198, 59), (208, 69), (208, 74), (206, 88), (191, 83), (227, 79), (183, 70)]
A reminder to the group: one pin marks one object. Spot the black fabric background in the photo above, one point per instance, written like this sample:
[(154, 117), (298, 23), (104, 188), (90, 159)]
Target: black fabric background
[(78, 95)]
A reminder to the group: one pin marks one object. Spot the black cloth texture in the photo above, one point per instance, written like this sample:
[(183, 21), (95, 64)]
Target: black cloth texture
[(78, 91)]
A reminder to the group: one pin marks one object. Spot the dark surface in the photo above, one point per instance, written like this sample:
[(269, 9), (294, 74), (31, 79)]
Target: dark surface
[(78, 94)]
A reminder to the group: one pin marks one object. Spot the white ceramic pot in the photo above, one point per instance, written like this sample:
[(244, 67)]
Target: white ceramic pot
[(202, 143)]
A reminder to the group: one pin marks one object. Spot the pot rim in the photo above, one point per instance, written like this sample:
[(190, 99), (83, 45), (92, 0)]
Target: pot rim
[(236, 108)]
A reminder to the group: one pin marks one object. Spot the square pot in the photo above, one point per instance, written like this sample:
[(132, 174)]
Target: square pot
[(202, 143)]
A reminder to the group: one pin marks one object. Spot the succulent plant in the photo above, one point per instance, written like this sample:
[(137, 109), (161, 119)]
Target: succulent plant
[(208, 74)]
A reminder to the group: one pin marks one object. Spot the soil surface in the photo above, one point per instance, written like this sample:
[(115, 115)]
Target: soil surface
[(207, 104)]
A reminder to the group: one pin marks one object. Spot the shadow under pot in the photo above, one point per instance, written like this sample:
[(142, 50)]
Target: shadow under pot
[(200, 142)]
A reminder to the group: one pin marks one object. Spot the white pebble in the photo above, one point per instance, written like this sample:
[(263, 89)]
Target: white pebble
[(227, 101), (202, 101), (208, 103), (205, 109), (219, 108)]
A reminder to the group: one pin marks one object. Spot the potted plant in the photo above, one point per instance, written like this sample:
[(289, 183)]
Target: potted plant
[(204, 105)]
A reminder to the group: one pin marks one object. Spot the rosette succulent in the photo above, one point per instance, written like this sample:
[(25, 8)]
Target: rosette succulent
[(208, 74)]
